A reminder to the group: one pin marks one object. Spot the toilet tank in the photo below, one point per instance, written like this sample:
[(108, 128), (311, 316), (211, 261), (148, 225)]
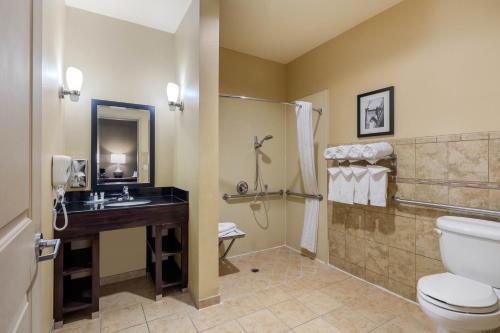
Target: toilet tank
[(471, 248)]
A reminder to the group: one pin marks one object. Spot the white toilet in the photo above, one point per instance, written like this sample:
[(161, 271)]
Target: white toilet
[(466, 299)]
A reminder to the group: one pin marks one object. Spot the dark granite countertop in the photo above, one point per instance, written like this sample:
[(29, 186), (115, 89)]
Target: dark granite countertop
[(78, 202)]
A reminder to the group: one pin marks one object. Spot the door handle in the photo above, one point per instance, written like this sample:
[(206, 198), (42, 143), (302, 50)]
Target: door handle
[(41, 244)]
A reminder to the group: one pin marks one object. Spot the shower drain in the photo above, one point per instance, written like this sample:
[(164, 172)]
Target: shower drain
[(255, 270)]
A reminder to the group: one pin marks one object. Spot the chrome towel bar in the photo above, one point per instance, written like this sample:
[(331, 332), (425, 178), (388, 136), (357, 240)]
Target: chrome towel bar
[(444, 206), (227, 196), (304, 195)]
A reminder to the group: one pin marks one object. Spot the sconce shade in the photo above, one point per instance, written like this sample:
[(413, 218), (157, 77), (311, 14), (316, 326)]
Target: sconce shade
[(172, 92), (118, 158), (74, 79)]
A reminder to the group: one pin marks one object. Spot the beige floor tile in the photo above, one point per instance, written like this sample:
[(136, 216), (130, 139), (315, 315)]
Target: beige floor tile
[(292, 312), (244, 305), (119, 319), (211, 316), (272, 296), (348, 320), (317, 325), (405, 323), (81, 326), (178, 323), (319, 302), (263, 321), (230, 327), (136, 329), (165, 307)]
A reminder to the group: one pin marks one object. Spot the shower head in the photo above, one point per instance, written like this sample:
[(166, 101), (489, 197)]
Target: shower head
[(258, 144)]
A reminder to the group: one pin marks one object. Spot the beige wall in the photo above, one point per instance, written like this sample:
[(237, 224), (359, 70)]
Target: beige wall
[(123, 62), (195, 147), (243, 74), (441, 56), (240, 121), (52, 133)]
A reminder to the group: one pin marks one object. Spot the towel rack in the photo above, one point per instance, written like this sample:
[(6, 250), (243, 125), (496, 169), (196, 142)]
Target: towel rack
[(304, 195), (227, 196), (444, 206), (392, 158)]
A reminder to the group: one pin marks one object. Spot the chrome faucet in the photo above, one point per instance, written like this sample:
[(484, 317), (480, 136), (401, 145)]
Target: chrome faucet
[(125, 195)]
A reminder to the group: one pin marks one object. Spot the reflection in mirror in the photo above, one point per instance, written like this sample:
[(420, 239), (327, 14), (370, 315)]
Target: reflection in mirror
[(123, 141)]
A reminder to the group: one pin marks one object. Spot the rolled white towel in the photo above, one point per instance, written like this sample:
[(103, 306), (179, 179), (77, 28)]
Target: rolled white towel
[(375, 151), (355, 152), (338, 152)]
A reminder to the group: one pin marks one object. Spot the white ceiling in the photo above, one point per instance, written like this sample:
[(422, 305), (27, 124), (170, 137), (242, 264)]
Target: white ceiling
[(282, 30), (165, 15)]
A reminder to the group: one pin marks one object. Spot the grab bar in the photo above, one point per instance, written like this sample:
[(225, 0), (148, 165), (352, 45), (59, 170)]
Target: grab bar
[(227, 196), (304, 195), (444, 206)]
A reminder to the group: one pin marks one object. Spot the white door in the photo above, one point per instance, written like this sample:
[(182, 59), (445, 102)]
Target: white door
[(19, 157)]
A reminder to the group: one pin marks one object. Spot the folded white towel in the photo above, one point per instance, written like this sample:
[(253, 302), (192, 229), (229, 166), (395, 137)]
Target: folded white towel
[(347, 188), (361, 184), (378, 185), (338, 152), (226, 226), (227, 232), (334, 183), (375, 151), (356, 152)]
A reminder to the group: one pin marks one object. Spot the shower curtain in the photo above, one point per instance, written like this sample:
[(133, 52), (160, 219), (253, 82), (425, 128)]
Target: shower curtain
[(305, 141)]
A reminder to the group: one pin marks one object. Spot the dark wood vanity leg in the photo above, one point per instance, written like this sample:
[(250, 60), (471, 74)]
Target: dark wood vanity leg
[(58, 288), (148, 250), (95, 277), (158, 261), (184, 256)]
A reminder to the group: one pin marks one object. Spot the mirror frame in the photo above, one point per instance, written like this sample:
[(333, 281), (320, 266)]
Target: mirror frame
[(103, 187)]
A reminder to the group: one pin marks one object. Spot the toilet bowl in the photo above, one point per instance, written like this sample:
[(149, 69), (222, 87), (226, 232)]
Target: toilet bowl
[(467, 297)]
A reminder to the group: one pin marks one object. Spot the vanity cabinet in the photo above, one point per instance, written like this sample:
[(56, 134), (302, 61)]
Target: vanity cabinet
[(76, 268)]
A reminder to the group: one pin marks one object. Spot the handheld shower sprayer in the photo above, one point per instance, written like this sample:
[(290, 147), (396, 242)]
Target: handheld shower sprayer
[(258, 144)]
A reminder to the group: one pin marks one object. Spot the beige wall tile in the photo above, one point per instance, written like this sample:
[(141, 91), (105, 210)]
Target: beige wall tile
[(494, 198), (427, 241), (337, 243), (337, 262), (405, 190), (378, 226), (356, 270), (431, 193), (494, 135), (432, 161), (448, 138), (378, 279), (406, 160), (468, 160), (377, 258), (426, 139), (427, 266), (402, 289), (474, 136), (402, 266), (355, 224), (355, 250), (339, 218), (405, 141), (469, 197), (403, 236), (494, 160)]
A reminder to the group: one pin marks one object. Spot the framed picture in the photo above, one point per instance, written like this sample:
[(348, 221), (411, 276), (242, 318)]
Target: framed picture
[(376, 112)]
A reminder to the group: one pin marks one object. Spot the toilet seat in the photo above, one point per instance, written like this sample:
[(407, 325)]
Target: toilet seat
[(458, 294)]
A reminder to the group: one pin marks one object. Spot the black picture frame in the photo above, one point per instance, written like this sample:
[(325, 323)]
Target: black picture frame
[(365, 132), (93, 164)]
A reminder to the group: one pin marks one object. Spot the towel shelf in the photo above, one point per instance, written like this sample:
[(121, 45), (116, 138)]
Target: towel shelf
[(227, 196), (392, 163), (444, 206), (388, 158), (304, 195)]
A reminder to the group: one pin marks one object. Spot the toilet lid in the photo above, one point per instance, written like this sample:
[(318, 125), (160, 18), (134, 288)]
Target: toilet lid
[(458, 293)]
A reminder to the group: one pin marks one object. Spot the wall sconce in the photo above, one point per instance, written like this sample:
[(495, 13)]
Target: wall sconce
[(74, 80), (173, 97)]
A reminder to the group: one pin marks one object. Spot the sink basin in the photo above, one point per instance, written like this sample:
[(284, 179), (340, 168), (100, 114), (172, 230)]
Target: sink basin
[(128, 203)]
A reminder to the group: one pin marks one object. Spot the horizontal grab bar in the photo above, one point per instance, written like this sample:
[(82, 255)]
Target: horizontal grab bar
[(304, 195), (227, 196), (444, 206)]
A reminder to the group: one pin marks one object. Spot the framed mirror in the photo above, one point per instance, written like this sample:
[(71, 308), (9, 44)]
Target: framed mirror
[(123, 145)]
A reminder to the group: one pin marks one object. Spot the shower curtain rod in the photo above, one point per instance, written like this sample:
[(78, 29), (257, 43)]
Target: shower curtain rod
[(319, 110)]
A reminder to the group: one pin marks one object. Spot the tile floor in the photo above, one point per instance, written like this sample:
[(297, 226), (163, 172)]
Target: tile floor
[(290, 293)]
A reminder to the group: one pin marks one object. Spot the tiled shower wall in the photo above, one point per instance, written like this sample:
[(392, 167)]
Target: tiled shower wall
[(394, 246)]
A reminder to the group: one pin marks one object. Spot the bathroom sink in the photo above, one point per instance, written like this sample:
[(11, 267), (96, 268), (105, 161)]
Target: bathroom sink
[(128, 203)]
